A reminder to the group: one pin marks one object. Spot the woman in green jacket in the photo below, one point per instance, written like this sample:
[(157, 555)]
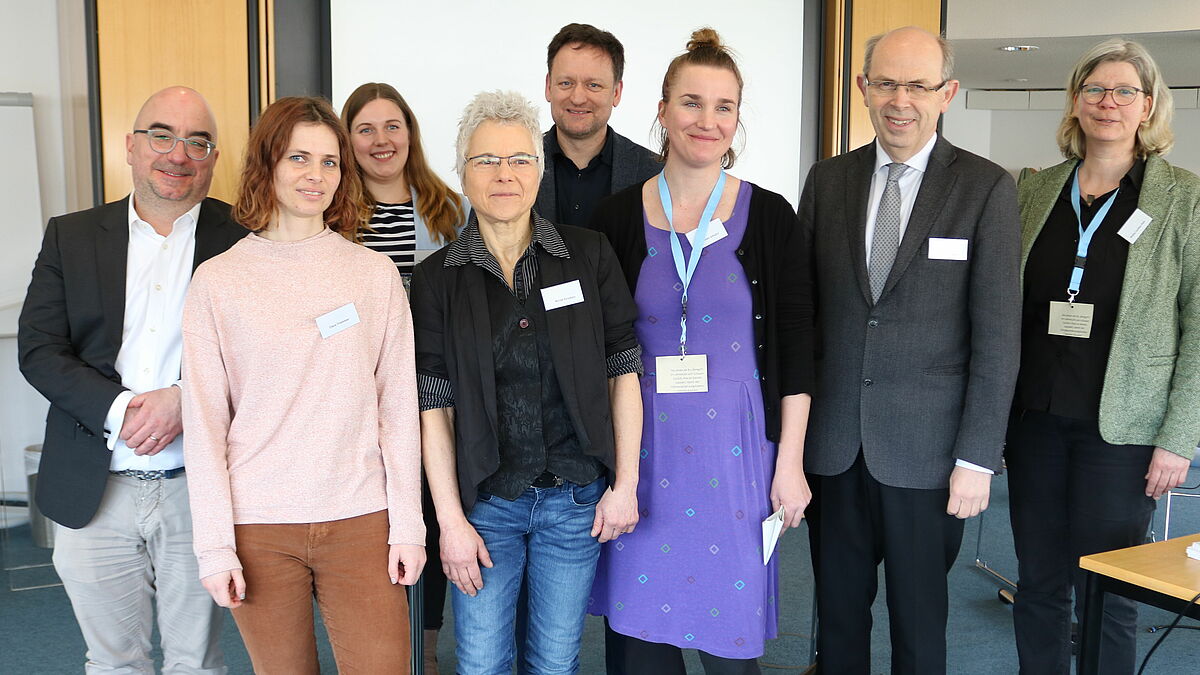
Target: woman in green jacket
[(1107, 409)]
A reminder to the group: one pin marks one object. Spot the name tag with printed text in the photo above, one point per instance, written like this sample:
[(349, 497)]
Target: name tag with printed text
[(338, 320), (562, 295), (681, 375)]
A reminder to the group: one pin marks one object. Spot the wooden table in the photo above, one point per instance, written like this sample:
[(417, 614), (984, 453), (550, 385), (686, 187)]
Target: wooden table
[(1158, 574)]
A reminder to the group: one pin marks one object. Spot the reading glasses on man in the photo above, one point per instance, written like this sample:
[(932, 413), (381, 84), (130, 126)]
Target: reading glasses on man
[(163, 142), (1094, 93), (518, 162), (915, 89)]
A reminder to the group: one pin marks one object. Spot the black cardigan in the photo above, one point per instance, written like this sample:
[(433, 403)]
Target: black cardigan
[(452, 331), (772, 253)]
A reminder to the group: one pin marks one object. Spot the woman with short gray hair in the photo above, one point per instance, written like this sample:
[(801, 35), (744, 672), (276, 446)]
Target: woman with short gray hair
[(531, 417)]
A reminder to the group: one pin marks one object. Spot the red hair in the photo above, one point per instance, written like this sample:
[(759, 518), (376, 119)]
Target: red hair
[(255, 204)]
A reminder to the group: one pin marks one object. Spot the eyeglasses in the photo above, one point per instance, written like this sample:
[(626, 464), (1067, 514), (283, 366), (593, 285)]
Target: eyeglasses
[(915, 89), (1094, 93), (163, 142), (522, 161)]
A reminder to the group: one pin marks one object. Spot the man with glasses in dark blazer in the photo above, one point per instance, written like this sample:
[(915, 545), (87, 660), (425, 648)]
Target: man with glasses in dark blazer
[(100, 337), (915, 250)]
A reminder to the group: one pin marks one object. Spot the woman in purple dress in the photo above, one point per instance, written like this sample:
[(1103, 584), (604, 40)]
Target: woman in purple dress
[(717, 266)]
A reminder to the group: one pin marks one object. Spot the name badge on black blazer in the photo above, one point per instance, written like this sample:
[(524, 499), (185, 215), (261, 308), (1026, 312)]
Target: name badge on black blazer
[(562, 295)]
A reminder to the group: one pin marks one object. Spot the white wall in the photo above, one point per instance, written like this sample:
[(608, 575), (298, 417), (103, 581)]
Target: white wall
[(439, 55), (968, 129), (970, 19), (29, 62), (1016, 139)]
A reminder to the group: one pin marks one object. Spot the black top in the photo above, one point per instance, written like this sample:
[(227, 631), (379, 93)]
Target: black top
[(772, 252), (1065, 375), (589, 342), (534, 430), (579, 190)]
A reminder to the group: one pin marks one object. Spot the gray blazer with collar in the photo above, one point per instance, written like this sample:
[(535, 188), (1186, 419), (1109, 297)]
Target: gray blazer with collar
[(924, 376), (631, 164)]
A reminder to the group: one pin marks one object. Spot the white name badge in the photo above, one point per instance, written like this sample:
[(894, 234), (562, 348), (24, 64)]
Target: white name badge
[(947, 249), (716, 232), (681, 375), (562, 295), (1071, 319), (338, 320), (1135, 226)]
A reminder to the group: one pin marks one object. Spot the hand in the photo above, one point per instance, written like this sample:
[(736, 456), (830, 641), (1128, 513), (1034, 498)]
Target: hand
[(463, 551), (228, 589), (405, 562), (153, 420), (1167, 471), (790, 490), (969, 490), (616, 514)]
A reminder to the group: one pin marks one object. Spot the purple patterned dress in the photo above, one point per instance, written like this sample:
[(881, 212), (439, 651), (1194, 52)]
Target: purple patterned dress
[(691, 574)]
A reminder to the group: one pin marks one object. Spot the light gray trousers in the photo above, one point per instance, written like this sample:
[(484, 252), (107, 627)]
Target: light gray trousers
[(135, 553)]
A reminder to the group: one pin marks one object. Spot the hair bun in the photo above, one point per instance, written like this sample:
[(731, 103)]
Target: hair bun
[(704, 38)]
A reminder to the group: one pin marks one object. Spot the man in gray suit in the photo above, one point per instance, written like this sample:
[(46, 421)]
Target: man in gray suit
[(585, 159), (915, 248)]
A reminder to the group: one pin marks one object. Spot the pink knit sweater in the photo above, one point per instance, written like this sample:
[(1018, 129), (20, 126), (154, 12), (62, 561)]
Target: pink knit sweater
[(283, 425)]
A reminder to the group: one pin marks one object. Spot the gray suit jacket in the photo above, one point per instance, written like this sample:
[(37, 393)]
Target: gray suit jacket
[(631, 164), (925, 376)]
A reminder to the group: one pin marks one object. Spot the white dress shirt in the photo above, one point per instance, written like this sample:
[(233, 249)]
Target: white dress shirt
[(157, 274), (909, 184)]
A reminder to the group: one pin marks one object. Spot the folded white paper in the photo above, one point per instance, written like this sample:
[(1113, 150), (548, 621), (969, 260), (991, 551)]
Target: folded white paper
[(772, 528), (1193, 551)]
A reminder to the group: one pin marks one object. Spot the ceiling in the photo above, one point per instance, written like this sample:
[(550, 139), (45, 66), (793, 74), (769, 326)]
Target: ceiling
[(979, 63)]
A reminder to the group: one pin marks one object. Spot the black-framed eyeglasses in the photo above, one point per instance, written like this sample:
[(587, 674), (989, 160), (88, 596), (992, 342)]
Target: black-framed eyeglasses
[(518, 162), (163, 142), (915, 89), (1123, 95)]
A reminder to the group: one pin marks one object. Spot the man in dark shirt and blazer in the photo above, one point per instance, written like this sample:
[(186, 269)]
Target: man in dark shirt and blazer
[(585, 159), (915, 247), (100, 337)]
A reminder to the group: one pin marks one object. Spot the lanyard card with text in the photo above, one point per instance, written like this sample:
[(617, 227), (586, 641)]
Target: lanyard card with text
[(681, 374)]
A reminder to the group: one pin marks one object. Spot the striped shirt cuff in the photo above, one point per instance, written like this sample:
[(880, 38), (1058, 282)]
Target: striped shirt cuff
[(624, 362), (434, 392)]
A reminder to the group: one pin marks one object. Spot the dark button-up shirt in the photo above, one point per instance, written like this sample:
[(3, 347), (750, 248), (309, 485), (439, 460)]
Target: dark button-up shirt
[(578, 190), (534, 431), (1065, 375)]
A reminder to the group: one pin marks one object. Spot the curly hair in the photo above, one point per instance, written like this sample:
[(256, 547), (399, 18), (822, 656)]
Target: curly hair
[(255, 205)]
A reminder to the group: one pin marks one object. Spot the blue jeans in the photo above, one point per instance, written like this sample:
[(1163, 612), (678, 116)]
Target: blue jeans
[(547, 532)]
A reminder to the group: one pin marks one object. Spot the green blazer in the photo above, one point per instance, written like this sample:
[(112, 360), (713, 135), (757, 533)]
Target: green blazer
[(1152, 381)]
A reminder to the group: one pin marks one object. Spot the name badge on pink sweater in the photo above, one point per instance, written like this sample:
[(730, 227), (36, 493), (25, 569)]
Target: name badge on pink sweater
[(338, 320)]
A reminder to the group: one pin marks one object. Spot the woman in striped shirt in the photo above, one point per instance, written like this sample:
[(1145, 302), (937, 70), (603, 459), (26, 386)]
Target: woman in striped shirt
[(413, 211)]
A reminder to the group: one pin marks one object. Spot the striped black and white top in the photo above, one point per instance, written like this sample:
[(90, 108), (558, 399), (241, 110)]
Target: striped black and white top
[(393, 233)]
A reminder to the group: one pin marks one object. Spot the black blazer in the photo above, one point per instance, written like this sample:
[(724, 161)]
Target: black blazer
[(454, 342), (776, 262), (68, 336)]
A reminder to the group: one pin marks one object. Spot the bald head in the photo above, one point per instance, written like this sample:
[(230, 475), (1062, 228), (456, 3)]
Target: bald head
[(182, 99), (914, 40), (171, 183)]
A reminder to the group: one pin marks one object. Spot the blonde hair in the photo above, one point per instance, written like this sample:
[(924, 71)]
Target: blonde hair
[(1154, 136)]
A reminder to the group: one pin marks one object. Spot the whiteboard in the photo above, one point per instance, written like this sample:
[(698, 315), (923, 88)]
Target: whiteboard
[(440, 54), (20, 194)]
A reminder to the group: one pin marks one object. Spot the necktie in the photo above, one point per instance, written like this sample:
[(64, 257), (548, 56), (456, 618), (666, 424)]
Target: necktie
[(886, 239)]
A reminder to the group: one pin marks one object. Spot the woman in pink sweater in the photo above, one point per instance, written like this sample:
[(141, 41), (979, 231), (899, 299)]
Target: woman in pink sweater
[(300, 406)]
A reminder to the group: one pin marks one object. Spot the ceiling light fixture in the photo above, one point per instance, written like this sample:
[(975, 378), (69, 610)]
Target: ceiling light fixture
[(1019, 48)]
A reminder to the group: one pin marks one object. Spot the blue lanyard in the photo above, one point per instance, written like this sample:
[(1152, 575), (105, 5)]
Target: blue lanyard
[(685, 272), (1085, 236)]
